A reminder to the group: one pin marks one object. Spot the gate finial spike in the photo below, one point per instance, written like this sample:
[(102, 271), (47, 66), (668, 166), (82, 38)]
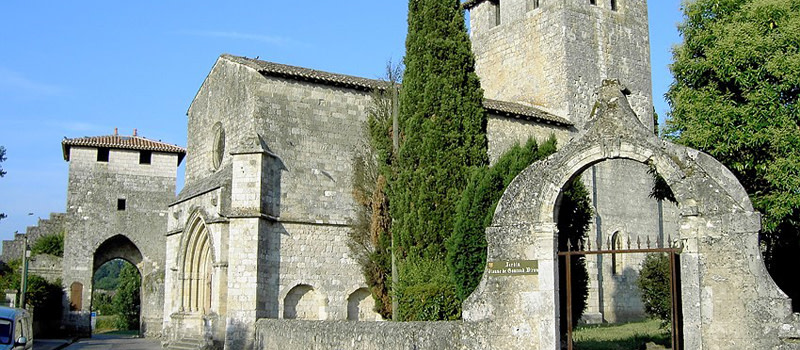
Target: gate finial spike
[(629, 241), (638, 242), (569, 245), (589, 244), (648, 242), (608, 243)]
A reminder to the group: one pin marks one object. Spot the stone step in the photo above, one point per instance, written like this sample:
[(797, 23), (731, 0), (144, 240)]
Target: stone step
[(187, 344)]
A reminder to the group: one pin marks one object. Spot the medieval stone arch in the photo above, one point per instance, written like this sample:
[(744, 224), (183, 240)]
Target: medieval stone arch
[(118, 247), (303, 302), (723, 274), (360, 305), (196, 267)]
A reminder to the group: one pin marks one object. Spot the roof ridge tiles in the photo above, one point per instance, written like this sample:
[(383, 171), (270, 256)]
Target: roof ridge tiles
[(131, 142)]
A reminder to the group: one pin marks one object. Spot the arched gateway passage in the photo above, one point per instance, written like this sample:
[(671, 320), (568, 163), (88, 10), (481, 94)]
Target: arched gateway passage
[(80, 286), (733, 301)]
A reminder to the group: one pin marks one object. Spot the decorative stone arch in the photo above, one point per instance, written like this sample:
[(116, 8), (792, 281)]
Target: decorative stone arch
[(303, 302), (733, 302), (196, 263), (360, 305)]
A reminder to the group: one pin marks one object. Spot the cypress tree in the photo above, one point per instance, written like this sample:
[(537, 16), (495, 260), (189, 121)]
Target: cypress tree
[(443, 135)]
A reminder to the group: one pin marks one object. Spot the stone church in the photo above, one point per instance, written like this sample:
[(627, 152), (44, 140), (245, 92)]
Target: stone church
[(260, 228)]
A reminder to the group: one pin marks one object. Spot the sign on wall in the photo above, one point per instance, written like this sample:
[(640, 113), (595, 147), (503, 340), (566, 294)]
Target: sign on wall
[(513, 267)]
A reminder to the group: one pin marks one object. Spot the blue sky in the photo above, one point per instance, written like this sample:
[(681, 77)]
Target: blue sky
[(82, 68)]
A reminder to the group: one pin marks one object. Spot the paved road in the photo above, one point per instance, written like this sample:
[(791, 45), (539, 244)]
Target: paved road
[(49, 344), (110, 342)]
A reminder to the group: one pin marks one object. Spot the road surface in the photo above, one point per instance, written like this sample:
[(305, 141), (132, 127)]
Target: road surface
[(110, 342)]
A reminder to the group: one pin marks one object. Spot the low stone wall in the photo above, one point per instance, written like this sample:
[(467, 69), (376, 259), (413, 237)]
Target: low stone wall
[(320, 335)]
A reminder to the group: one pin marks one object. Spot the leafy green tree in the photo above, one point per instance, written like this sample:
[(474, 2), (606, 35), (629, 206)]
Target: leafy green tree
[(735, 96), (107, 276), (654, 285), (102, 303), (443, 135), (466, 248), (126, 301), (52, 244), (574, 218)]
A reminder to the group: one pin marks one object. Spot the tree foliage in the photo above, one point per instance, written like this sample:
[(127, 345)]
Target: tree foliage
[(574, 217), (52, 244), (654, 285), (107, 276), (126, 301), (735, 96), (46, 298), (466, 248), (370, 239), (443, 135)]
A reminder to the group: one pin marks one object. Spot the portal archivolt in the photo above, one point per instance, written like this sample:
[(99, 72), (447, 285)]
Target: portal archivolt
[(196, 268)]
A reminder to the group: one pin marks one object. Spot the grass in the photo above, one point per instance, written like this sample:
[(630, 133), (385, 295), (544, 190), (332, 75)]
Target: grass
[(132, 333), (627, 336), (107, 324)]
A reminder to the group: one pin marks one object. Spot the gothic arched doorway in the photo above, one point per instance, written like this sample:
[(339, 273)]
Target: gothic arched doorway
[(196, 269)]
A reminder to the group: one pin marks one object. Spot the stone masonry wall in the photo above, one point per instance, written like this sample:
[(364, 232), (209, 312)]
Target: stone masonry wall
[(554, 56), (12, 249), (503, 132), (304, 335), (620, 192), (93, 191), (314, 129), (316, 256)]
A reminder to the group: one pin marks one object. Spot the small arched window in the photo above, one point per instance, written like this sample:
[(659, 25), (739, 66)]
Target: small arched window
[(616, 259)]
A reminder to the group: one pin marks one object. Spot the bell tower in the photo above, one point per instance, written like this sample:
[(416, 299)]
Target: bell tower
[(553, 54)]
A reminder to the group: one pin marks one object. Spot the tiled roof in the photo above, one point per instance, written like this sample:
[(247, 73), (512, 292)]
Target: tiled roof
[(472, 3), (521, 111), (502, 108), (122, 142), (313, 75)]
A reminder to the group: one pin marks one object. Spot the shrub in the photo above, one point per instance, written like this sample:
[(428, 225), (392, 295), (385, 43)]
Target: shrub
[(654, 285), (49, 244), (426, 292)]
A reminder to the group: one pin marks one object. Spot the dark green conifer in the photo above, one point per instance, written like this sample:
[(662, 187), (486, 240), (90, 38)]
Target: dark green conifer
[(443, 135), (466, 249)]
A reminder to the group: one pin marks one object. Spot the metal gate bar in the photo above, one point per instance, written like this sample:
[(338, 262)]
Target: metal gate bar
[(674, 289)]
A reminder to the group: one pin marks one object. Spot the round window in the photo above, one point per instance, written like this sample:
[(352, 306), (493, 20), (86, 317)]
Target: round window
[(218, 147)]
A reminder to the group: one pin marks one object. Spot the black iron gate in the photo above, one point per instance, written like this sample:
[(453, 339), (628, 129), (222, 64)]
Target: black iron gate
[(674, 266)]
